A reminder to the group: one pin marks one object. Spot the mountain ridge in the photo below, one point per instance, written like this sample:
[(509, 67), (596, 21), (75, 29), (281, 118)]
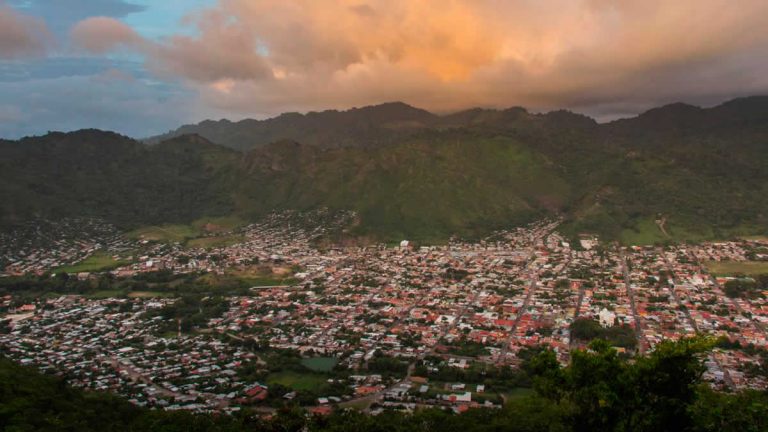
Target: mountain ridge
[(353, 127), (704, 169)]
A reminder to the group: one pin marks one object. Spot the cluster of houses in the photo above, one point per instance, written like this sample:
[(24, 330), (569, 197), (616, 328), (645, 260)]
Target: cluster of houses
[(110, 345), (41, 245), (464, 302)]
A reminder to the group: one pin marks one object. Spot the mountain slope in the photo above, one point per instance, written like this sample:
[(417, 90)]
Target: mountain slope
[(103, 174), (704, 171), (366, 126)]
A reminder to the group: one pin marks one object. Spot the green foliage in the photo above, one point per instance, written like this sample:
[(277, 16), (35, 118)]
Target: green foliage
[(704, 173), (619, 335), (102, 174), (387, 366), (597, 391), (746, 288), (742, 412)]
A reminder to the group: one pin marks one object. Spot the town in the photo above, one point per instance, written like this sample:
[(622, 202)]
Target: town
[(372, 327)]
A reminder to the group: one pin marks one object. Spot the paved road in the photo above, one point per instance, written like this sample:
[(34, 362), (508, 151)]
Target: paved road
[(511, 334), (736, 304), (534, 274), (676, 282), (631, 295)]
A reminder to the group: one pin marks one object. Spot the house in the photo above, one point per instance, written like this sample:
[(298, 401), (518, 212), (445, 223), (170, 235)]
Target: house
[(464, 397), (257, 393), (321, 410), (366, 390), (606, 318)]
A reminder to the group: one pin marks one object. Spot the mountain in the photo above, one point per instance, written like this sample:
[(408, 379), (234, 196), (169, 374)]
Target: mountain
[(103, 174), (366, 126), (703, 173), (362, 127)]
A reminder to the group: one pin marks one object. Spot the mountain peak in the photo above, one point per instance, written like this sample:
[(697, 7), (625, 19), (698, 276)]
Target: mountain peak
[(671, 110)]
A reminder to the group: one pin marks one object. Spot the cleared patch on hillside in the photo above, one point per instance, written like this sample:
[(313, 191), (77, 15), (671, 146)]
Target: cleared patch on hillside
[(726, 268)]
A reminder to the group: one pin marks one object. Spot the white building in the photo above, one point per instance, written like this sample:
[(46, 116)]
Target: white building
[(606, 318)]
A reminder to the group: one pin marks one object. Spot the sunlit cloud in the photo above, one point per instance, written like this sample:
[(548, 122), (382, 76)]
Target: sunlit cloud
[(22, 36), (266, 56)]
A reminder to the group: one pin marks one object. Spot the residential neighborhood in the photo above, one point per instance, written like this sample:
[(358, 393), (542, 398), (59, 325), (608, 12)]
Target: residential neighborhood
[(385, 326)]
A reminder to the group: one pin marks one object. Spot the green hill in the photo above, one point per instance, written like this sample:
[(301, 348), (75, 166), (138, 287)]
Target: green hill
[(409, 173)]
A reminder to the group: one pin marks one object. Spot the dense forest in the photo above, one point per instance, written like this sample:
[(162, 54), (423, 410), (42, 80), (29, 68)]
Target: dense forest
[(598, 391), (699, 173)]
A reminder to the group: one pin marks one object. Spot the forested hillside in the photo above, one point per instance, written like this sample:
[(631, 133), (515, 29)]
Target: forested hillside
[(698, 173)]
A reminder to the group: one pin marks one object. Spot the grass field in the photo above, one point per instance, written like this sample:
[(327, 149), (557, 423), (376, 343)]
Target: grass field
[(261, 276), (100, 261), (320, 364), (194, 234), (165, 233), (148, 294), (215, 241), (725, 268), (756, 238), (517, 393), (646, 232), (98, 295), (297, 381), (214, 224), (232, 279)]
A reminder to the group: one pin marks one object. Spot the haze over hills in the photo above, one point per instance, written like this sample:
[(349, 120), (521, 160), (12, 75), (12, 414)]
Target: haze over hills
[(410, 173)]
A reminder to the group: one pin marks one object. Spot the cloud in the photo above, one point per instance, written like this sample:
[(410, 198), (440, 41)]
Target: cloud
[(62, 14), (261, 57), (231, 52), (135, 107), (100, 35), (22, 36)]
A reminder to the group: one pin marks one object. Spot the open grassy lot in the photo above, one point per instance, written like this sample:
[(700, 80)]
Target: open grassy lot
[(98, 295), (100, 261), (756, 238), (165, 233), (320, 364), (216, 224), (646, 232), (214, 241), (195, 235), (149, 294), (297, 380), (263, 275), (725, 268), (230, 279), (519, 392)]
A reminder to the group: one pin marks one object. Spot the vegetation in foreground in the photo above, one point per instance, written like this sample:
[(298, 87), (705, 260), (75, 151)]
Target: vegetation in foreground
[(598, 391)]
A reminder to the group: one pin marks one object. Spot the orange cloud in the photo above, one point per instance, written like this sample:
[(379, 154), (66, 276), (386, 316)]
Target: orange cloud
[(22, 35), (101, 35), (266, 56)]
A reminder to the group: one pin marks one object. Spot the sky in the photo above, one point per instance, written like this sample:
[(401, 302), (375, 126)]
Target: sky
[(143, 67)]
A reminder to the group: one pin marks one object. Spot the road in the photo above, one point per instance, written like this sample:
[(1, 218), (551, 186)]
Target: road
[(511, 333), (534, 274), (371, 398), (736, 304), (687, 311), (662, 224), (631, 295)]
